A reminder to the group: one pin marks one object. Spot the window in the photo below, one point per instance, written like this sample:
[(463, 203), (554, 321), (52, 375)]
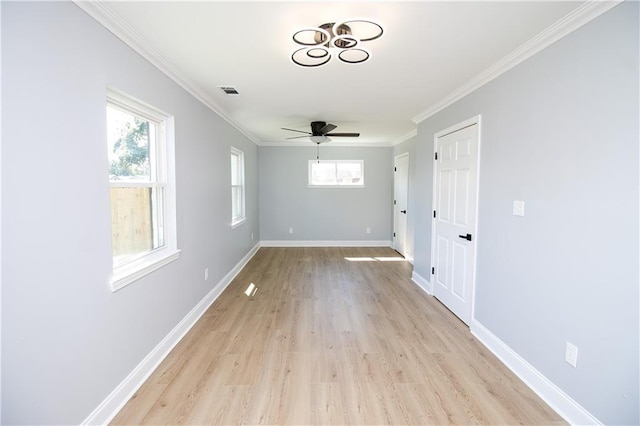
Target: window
[(237, 187), (141, 186), (336, 173)]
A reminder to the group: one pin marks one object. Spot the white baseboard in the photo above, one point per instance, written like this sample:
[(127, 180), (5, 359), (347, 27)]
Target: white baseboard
[(107, 410), (422, 282), (559, 401), (329, 243)]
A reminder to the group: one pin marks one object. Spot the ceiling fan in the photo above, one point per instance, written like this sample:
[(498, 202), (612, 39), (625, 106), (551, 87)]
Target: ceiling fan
[(320, 132)]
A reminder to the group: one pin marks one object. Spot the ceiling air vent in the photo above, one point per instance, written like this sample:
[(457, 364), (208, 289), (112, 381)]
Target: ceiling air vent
[(229, 90)]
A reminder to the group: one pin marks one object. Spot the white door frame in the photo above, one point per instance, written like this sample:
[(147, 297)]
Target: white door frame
[(459, 126), (395, 214)]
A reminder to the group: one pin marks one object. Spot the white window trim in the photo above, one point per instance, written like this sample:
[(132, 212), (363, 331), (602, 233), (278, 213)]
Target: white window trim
[(242, 218), (155, 259), (335, 186), (310, 185), (237, 223)]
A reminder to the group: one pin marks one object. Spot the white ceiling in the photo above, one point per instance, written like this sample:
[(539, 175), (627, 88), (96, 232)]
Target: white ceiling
[(430, 52)]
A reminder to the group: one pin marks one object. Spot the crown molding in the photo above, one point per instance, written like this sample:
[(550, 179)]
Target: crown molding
[(333, 143), (408, 136), (112, 21), (574, 20)]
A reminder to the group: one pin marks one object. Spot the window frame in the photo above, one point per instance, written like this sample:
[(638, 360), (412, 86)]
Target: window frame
[(163, 152), (310, 183), (240, 218)]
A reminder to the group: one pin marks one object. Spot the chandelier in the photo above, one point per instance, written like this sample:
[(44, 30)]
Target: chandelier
[(342, 39)]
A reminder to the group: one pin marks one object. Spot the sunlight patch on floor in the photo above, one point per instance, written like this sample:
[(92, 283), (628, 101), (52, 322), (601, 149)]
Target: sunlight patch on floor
[(375, 259), (251, 290)]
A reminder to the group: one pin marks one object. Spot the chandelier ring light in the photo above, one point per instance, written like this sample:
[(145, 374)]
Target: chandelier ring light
[(318, 43)]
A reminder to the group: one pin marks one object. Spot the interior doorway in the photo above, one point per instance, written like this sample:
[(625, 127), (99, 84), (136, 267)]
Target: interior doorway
[(400, 201), (454, 238)]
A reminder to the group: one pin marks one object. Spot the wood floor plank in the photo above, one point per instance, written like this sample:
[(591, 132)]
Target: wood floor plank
[(331, 336), (140, 404)]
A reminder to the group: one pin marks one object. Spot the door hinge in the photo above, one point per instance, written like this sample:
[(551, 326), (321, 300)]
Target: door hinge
[(436, 155), (395, 169), (434, 214), (433, 270), (394, 235), (394, 202)]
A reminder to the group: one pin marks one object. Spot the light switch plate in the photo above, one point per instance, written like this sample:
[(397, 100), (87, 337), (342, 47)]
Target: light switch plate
[(518, 208), (571, 355)]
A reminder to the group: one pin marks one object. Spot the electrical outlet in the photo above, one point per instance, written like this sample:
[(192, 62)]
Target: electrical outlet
[(291, 230), (206, 274), (571, 355), (518, 208), (252, 236), (368, 230)]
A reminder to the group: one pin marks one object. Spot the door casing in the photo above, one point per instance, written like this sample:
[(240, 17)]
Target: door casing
[(459, 126), (396, 207)]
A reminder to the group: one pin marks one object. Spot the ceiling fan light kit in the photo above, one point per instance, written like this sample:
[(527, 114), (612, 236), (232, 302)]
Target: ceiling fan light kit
[(319, 139), (318, 44)]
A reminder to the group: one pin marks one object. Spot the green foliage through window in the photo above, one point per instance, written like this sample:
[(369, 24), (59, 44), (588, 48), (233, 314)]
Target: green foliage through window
[(129, 146)]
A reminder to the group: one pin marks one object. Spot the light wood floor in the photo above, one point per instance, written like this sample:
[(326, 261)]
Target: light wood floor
[(327, 340)]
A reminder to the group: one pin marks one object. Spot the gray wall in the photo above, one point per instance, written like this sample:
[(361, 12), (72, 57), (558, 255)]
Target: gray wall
[(409, 147), (559, 131), (67, 340), (320, 214)]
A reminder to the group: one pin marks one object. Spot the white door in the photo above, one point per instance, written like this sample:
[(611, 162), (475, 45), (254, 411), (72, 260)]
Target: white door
[(400, 191), (454, 242)]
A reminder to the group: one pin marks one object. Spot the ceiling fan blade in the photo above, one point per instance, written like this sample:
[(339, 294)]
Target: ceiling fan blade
[(327, 128), (294, 130), (298, 137), (349, 135)]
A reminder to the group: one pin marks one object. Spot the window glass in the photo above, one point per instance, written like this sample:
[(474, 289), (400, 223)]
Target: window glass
[(136, 196), (349, 173), (237, 187), (330, 173), (323, 173), (129, 146)]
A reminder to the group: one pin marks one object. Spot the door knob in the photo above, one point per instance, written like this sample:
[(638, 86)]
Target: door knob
[(466, 237), (403, 211)]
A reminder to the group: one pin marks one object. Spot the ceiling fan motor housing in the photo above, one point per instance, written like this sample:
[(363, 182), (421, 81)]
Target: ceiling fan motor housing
[(316, 127)]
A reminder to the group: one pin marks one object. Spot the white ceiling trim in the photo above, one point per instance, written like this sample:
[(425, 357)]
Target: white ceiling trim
[(579, 17), (107, 17), (309, 144), (405, 137)]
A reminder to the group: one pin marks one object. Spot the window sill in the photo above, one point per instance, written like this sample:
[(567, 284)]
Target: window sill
[(130, 273), (237, 223), (336, 186)]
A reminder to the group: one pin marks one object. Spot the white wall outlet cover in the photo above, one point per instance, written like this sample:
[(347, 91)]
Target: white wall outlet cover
[(206, 273), (518, 208), (368, 230), (291, 230)]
